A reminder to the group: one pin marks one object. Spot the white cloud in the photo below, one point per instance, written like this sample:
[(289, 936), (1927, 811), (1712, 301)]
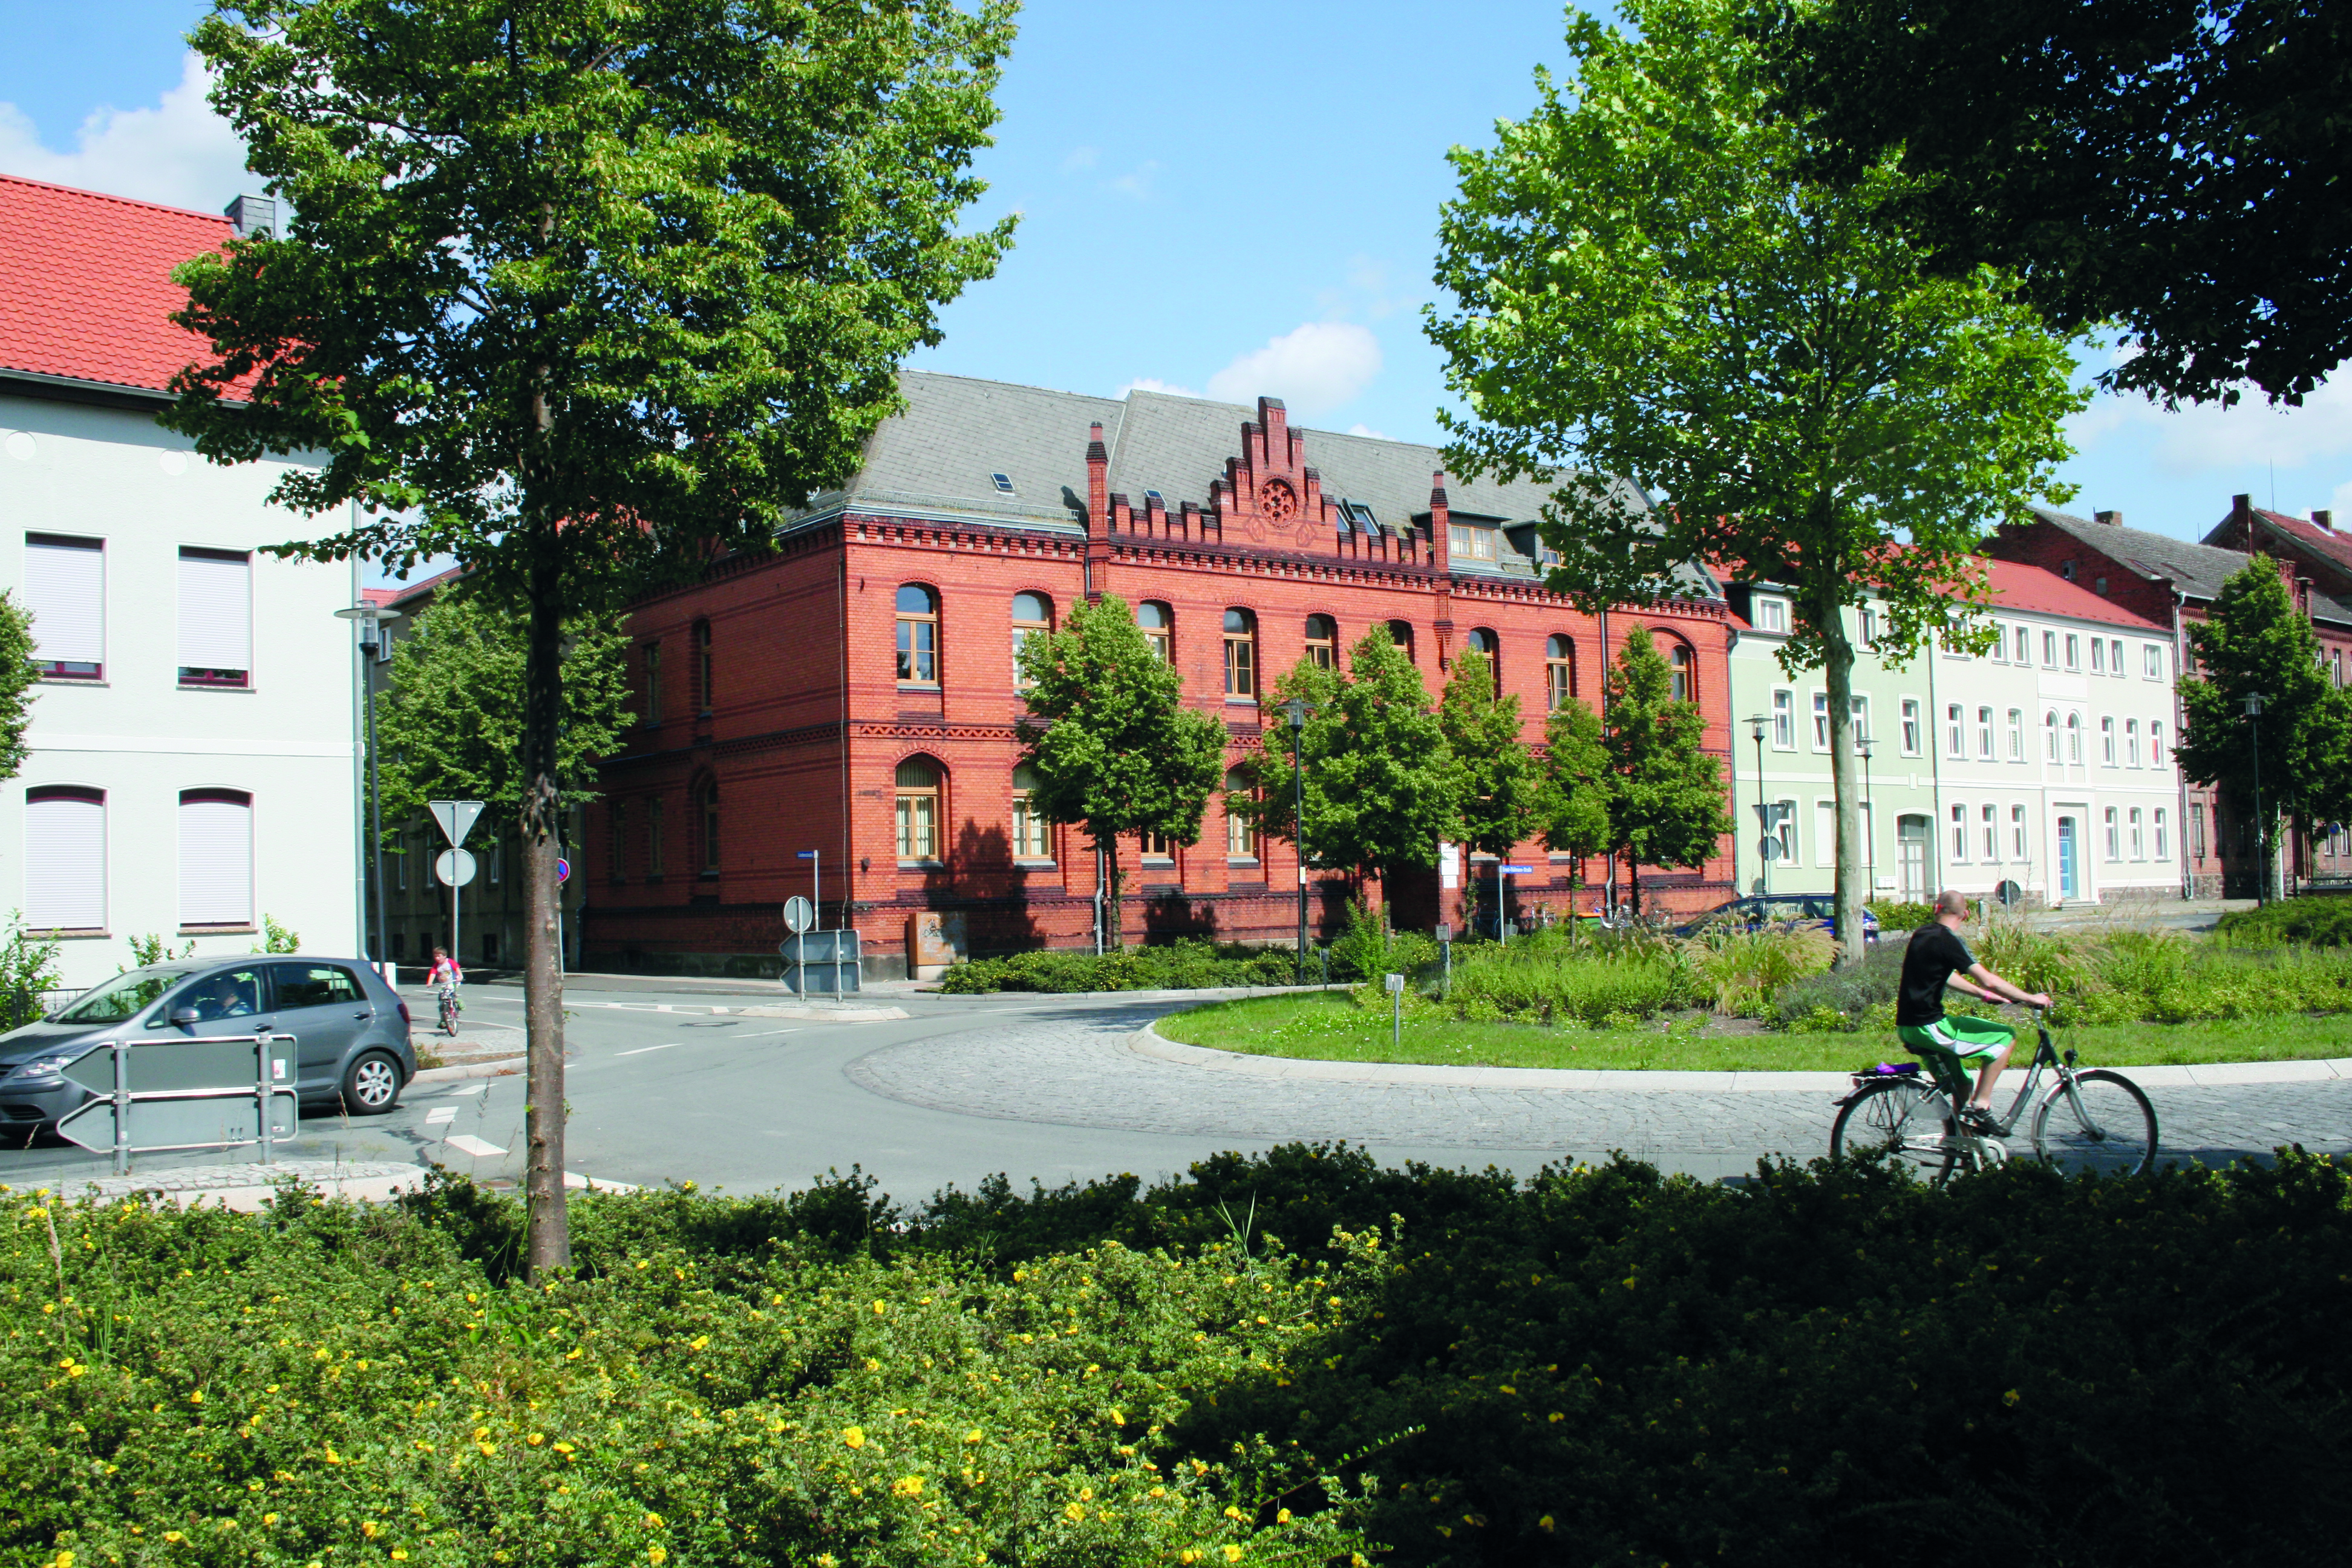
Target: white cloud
[(1361, 428), (1153, 384), (1081, 159), (2206, 436), (177, 152), (1317, 367), (1137, 182), (1367, 290)]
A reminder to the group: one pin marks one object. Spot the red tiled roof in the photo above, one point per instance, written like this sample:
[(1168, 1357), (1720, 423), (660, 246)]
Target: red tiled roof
[(408, 591), (89, 284), (2326, 541), (2018, 586)]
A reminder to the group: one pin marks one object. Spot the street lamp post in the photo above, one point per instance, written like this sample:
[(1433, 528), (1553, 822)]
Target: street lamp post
[(372, 618), (1756, 722), (1869, 817), (1297, 707), (2254, 700)]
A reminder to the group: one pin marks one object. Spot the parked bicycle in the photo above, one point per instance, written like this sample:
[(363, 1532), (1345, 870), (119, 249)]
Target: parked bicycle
[(2094, 1119)]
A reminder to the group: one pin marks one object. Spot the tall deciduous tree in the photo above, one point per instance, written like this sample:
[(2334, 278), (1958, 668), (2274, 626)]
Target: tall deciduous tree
[(2178, 166), (1579, 787), (1666, 794), (1112, 743), (452, 727), (1500, 783), (578, 292), (2256, 641), (1650, 285), (18, 675), (1382, 786)]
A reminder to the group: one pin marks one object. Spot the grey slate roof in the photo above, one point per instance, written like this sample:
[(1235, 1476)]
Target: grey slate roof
[(2197, 570), (959, 431)]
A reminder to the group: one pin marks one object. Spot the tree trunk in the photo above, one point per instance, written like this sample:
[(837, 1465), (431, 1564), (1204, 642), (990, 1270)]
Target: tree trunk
[(1634, 880), (1115, 937), (1838, 663), (548, 1246)]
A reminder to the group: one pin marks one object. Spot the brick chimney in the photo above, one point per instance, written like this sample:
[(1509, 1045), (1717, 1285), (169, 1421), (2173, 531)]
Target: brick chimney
[(2112, 519), (1441, 524), (2242, 522), (1097, 482), (2324, 518)]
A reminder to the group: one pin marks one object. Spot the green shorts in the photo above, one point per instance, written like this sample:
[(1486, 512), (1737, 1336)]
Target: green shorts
[(1973, 1040)]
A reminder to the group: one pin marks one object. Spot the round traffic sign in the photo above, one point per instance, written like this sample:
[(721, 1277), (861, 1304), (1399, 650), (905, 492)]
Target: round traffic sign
[(1769, 848), (563, 871), (799, 914), (454, 867)]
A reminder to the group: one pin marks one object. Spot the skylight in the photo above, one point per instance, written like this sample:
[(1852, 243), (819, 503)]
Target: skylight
[(1155, 495), (1356, 514), (1003, 482)]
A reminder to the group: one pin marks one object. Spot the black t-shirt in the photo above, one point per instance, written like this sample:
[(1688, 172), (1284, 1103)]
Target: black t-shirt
[(1935, 953)]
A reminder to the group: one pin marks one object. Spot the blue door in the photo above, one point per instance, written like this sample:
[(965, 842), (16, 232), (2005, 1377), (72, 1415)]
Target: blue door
[(2066, 858)]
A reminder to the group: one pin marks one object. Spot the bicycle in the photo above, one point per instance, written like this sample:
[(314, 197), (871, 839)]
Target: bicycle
[(450, 1008), (2096, 1120)]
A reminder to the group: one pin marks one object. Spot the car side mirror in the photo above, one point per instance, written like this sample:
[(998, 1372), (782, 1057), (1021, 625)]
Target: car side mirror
[(186, 1017)]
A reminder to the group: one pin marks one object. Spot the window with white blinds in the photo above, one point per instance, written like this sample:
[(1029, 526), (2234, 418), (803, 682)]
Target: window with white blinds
[(65, 860), (216, 618), (216, 857), (65, 587)]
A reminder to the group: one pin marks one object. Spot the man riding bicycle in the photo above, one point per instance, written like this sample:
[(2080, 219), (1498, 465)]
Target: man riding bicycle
[(1937, 957)]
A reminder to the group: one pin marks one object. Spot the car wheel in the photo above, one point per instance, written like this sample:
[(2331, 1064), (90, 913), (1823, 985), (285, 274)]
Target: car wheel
[(372, 1085)]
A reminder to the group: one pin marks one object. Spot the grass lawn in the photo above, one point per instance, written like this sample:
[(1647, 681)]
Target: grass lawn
[(1329, 1026)]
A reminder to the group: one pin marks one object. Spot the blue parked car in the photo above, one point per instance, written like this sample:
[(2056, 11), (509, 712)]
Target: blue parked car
[(1800, 912)]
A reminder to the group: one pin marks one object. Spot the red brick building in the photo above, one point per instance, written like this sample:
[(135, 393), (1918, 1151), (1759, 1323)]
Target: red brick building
[(2174, 582), (853, 692)]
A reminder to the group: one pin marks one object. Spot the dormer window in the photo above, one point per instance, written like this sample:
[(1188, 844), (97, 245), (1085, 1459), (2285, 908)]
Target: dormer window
[(1477, 543), (2066, 570), (1771, 615), (1357, 517)]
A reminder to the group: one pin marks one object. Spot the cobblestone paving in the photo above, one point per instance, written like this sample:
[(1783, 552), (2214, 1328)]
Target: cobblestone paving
[(1077, 1071)]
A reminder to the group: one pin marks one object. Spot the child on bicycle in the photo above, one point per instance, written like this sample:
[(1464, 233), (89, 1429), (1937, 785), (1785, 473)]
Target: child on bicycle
[(1935, 958)]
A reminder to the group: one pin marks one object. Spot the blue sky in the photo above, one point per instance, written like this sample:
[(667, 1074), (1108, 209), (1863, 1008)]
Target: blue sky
[(1223, 198)]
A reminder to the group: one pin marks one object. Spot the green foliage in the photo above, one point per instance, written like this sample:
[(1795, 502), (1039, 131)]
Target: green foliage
[(151, 949), (1301, 1352), (276, 937), (1665, 800), (2254, 640), (2168, 166), (1859, 996), (28, 966), (2320, 922), (1382, 786), (1113, 744), (19, 682), (1368, 949), (1500, 783), (1567, 976), (1577, 786), (450, 724), (1188, 965), (1896, 914)]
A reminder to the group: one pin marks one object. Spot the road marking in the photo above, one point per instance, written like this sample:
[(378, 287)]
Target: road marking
[(483, 1088), (641, 1050), (466, 1144), (440, 1113)]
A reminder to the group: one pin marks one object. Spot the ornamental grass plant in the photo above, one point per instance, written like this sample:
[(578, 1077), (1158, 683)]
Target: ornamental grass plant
[(1300, 1357)]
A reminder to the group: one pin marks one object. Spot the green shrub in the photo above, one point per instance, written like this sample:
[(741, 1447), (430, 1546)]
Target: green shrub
[(1897, 914), (1291, 1356), (1564, 974), (1178, 966), (1841, 999), (2322, 921), (28, 966), (1366, 949)]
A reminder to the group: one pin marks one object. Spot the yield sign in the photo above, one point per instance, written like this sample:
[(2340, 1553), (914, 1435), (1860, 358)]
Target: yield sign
[(455, 817)]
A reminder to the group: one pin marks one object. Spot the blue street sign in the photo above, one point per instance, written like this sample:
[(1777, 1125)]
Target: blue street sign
[(1516, 870), (807, 854)]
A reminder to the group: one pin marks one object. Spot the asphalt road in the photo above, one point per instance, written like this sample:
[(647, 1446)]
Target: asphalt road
[(1046, 1089)]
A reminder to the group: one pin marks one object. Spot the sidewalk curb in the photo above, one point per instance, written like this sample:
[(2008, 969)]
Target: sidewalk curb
[(1149, 1042)]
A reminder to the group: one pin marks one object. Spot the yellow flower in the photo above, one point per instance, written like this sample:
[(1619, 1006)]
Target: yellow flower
[(873, 1365), (1160, 1491), (908, 1486), (1188, 1555), (2010, 1398), (400, 1554), (877, 1308), (368, 1528), (486, 1448), (1283, 1517), (1117, 1420), (1557, 1416), (196, 1396), (973, 1435), (1544, 1523), (536, 1439), (1232, 1512), (1085, 1494), (825, 1560), (563, 1447), (1073, 1512), (64, 1560), (656, 1556), (854, 1438), (653, 1521), (269, 1519), (699, 1341), (173, 1536), (333, 1457), (1232, 1554)]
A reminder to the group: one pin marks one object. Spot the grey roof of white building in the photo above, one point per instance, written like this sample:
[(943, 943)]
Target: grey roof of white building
[(959, 432), (2197, 570)]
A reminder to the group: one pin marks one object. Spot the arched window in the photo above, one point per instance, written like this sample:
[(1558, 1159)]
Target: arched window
[(1560, 672), (918, 809), (1158, 624), (1481, 639), (216, 857), (1240, 655), (2049, 733), (1322, 642), (1685, 673), (1241, 833), (1031, 840), (65, 859), (1032, 616), (1401, 633), (2074, 737), (703, 667), (919, 636), (706, 812)]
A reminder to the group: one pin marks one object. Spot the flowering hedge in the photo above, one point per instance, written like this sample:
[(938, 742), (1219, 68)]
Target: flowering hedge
[(1828, 1367)]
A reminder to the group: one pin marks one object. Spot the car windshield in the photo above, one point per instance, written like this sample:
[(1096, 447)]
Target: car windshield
[(120, 997)]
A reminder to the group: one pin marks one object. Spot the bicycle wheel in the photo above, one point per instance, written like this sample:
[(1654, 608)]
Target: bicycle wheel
[(449, 1015), (2101, 1122), (1906, 1118)]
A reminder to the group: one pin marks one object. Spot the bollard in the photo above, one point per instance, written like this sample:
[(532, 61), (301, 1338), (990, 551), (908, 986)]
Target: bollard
[(261, 1097), (121, 1108), (1396, 1012)]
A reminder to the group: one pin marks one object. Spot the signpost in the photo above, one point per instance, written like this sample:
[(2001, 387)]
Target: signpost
[(816, 877), (456, 819), (205, 1092), (1396, 1011)]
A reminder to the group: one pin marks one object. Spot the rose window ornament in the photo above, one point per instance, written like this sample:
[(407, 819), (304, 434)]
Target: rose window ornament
[(1277, 501)]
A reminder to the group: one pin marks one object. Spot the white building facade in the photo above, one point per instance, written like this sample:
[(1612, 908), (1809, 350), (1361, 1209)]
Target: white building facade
[(192, 772)]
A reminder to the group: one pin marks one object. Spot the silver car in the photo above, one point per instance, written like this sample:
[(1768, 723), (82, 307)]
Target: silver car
[(351, 1030)]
